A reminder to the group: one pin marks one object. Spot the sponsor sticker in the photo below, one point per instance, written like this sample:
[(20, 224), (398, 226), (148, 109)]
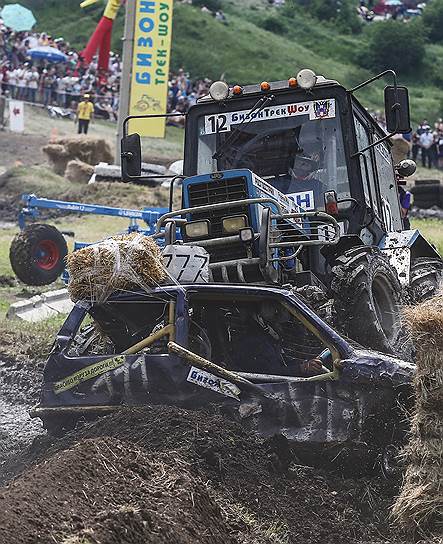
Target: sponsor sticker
[(315, 109), (91, 371), (304, 199), (209, 381), (265, 189)]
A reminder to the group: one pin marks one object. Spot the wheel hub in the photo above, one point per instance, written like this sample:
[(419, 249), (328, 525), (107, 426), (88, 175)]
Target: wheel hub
[(47, 255)]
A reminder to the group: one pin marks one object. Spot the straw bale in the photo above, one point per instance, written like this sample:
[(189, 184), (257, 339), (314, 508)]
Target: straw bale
[(90, 150), (425, 453), (78, 171), (419, 507), (57, 156), (86, 149), (124, 262), (426, 425), (426, 324)]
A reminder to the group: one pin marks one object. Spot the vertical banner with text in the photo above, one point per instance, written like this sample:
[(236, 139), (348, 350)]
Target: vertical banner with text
[(150, 65)]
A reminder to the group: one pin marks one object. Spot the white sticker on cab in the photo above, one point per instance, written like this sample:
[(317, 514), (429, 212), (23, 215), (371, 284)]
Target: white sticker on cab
[(209, 381), (304, 199), (315, 109)]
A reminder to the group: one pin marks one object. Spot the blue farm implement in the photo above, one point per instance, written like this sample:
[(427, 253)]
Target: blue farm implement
[(38, 251)]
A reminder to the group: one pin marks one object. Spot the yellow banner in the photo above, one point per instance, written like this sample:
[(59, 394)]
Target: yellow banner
[(150, 66), (91, 371)]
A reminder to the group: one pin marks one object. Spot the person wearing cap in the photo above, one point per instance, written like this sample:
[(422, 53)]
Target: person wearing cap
[(85, 112), (302, 183)]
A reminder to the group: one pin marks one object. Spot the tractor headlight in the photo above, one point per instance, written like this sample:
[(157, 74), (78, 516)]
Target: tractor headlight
[(219, 91), (233, 224), (246, 235), (197, 229), (306, 78)]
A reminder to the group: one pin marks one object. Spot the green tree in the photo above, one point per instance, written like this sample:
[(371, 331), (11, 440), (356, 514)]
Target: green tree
[(395, 45), (347, 18), (433, 20)]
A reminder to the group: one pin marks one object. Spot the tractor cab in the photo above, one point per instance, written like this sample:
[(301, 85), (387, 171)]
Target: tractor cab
[(310, 139)]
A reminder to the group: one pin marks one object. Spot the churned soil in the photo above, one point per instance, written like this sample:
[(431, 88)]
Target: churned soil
[(168, 475)]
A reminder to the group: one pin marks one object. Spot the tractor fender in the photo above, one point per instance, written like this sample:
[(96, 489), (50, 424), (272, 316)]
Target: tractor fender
[(402, 247)]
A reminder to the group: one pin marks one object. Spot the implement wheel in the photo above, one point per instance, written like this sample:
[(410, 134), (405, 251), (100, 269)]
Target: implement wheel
[(426, 275), (37, 254), (367, 299)]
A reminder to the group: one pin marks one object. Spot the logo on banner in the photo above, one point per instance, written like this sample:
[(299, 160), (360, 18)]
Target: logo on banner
[(322, 109)]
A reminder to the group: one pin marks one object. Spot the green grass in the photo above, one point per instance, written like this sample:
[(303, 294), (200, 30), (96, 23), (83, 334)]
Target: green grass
[(32, 341), (432, 230)]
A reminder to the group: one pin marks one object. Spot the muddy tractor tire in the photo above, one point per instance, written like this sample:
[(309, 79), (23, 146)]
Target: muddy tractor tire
[(426, 276), (367, 299), (37, 254)]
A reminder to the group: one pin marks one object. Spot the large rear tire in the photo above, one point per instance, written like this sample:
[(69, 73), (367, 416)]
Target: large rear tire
[(426, 275), (37, 254), (367, 299)]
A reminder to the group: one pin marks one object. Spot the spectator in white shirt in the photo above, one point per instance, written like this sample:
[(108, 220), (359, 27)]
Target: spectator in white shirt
[(425, 141), (32, 79)]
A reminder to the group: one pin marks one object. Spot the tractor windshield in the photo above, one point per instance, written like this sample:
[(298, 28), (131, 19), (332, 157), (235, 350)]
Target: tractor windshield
[(298, 148)]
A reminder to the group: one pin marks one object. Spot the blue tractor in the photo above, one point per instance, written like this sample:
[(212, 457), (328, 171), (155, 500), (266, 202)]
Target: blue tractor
[(288, 189), (293, 183)]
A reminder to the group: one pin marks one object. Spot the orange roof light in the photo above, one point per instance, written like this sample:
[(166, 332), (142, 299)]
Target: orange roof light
[(292, 82), (237, 90), (265, 86)]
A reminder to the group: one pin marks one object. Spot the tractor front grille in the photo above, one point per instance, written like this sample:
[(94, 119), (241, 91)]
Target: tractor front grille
[(214, 192)]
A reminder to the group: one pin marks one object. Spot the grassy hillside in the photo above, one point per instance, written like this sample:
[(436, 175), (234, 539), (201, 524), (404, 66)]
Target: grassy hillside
[(243, 51)]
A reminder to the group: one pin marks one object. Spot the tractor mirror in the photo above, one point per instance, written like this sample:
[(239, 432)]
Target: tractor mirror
[(131, 157), (397, 109)]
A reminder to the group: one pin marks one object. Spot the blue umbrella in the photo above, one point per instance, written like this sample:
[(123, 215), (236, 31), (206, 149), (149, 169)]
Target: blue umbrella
[(48, 53), (17, 17)]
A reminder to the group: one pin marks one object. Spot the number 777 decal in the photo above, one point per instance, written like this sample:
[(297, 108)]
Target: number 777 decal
[(186, 265)]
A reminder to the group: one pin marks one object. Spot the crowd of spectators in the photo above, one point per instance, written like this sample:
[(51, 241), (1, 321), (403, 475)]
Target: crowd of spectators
[(427, 143), (59, 84), (63, 84)]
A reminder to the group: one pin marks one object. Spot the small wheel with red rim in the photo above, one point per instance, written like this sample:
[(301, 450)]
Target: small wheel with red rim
[(37, 254)]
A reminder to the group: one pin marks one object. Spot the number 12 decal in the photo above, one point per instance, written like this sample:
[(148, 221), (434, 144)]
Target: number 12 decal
[(218, 123)]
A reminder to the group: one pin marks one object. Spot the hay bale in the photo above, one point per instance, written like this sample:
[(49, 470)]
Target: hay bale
[(124, 262), (78, 171), (57, 156), (90, 150), (86, 149), (419, 507)]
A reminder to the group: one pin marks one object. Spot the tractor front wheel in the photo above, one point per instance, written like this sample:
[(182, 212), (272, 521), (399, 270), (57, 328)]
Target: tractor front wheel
[(426, 274), (37, 254), (367, 299)]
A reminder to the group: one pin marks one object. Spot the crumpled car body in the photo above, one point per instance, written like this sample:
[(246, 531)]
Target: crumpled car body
[(358, 402)]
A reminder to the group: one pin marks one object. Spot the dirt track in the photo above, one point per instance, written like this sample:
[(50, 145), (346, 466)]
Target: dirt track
[(167, 475)]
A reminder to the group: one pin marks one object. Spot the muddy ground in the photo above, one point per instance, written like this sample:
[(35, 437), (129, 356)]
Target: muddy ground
[(168, 475)]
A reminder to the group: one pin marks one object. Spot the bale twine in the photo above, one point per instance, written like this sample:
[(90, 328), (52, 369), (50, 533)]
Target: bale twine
[(419, 507), (124, 262)]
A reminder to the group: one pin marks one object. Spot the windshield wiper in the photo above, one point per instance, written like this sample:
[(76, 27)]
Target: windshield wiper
[(256, 108)]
